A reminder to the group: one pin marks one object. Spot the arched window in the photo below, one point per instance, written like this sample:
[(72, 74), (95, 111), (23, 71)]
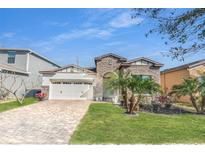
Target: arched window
[(108, 93)]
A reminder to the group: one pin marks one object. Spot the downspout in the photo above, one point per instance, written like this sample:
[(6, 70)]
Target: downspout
[(27, 62), (165, 84)]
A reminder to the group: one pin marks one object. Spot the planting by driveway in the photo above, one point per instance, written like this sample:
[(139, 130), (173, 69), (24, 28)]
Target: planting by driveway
[(47, 122)]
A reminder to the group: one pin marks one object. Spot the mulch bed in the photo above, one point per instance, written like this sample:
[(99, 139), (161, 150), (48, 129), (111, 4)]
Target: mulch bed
[(172, 110)]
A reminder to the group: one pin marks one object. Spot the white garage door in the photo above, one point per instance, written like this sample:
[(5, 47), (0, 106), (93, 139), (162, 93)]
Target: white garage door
[(71, 90)]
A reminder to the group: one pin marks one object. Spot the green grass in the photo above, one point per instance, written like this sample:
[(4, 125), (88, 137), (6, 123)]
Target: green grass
[(15, 104), (106, 124)]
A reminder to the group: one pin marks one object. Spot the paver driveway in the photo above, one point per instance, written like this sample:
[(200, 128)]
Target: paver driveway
[(48, 122)]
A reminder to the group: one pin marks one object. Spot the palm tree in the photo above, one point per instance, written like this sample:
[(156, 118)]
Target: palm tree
[(119, 81), (138, 88), (188, 87), (201, 89), (125, 82)]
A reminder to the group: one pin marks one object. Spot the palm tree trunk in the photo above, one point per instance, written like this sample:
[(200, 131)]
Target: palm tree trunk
[(125, 99), (132, 104), (137, 103), (193, 100), (203, 104)]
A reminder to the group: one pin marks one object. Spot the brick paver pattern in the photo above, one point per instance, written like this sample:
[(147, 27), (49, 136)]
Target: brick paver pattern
[(47, 122)]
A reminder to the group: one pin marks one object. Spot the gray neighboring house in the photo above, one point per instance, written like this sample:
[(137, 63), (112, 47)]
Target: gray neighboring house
[(24, 64), (75, 82)]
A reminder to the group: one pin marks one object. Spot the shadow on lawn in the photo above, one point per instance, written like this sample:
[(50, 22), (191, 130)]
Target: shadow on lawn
[(163, 110)]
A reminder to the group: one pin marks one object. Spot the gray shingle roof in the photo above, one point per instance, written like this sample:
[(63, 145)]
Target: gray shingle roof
[(188, 65), (12, 68), (64, 67), (145, 59), (110, 54)]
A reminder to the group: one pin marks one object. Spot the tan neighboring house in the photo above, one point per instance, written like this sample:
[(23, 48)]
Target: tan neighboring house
[(174, 76)]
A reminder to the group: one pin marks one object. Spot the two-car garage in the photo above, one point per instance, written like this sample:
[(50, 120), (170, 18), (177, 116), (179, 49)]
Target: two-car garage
[(71, 90), (69, 83)]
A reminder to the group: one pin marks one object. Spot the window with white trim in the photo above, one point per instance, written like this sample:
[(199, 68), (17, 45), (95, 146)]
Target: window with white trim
[(11, 57)]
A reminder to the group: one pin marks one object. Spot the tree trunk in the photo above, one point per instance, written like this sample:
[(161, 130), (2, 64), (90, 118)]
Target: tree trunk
[(137, 103), (202, 104), (125, 99), (132, 104), (193, 100), (20, 100)]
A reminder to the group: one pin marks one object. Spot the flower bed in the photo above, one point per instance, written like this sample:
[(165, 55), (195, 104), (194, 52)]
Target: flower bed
[(40, 96)]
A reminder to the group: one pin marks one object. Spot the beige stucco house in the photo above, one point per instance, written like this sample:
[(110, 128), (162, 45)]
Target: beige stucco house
[(75, 82), (174, 76)]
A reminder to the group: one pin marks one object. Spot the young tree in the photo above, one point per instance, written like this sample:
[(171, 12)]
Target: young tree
[(201, 89), (139, 87), (11, 83), (189, 87), (184, 27), (119, 81)]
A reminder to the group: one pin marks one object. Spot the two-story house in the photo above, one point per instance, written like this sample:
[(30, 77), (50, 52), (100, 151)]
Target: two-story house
[(75, 82), (22, 64)]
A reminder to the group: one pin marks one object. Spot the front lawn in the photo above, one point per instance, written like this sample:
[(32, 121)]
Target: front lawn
[(106, 124), (15, 104)]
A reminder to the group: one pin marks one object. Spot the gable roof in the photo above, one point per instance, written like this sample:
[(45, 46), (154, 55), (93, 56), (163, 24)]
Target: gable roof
[(12, 69), (145, 59), (112, 55), (64, 67), (29, 51), (185, 66)]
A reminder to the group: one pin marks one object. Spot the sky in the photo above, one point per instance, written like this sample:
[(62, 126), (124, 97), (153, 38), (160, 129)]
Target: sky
[(65, 35)]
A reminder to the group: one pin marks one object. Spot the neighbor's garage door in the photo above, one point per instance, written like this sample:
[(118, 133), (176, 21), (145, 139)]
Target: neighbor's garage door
[(70, 90)]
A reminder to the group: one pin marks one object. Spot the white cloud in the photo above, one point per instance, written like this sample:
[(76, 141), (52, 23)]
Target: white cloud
[(57, 24), (8, 34), (54, 41), (124, 20), (86, 33)]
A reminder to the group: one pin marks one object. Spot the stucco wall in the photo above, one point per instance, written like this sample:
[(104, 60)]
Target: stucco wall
[(20, 60), (169, 79), (13, 82), (37, 64), (197, 71)]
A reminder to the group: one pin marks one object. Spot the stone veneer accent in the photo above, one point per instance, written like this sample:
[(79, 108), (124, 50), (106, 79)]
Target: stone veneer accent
[(103, 67)]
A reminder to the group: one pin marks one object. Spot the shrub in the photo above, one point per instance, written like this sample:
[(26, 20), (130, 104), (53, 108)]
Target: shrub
[(164, 101), (155, 106), (40, 96)]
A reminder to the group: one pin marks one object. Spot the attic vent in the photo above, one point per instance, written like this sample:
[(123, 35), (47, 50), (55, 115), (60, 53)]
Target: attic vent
[(109, 62)]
